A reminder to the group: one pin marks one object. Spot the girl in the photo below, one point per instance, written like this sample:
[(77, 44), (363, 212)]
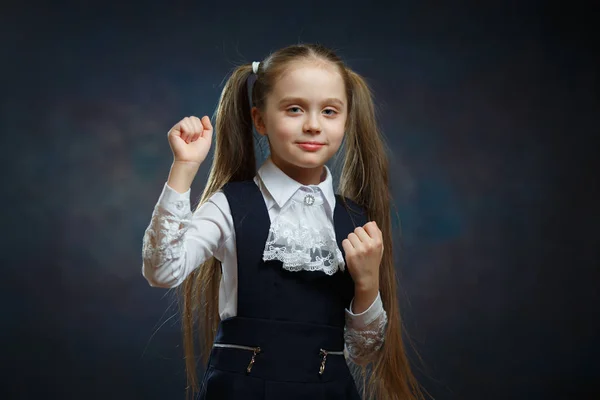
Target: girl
[(291, 282)]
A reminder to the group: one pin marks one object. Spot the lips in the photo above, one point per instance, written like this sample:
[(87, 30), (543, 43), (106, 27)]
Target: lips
[(310, 146)]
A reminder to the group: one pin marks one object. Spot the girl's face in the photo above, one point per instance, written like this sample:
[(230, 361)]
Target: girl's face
[(304, 119)]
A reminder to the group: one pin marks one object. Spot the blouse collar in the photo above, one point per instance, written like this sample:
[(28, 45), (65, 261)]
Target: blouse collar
[(281, 187)]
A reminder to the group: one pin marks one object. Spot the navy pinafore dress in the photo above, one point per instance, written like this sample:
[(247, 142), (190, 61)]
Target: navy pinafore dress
[(273, 348)]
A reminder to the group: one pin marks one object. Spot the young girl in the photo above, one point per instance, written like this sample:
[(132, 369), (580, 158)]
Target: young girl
[(291, 282)]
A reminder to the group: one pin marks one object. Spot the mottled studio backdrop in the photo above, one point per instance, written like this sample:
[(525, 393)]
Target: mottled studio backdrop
[(489, 112)]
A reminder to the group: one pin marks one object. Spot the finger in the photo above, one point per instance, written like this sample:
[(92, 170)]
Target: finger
[(187, 129), (355, 241), (375, 234), (362, 235), (192, 128), (373, 231), (197, 129), (208, 128), (197, 125), (206, 123), (348, 249)]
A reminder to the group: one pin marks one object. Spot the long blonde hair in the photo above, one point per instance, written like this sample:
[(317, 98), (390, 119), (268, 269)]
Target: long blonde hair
[(364, 179)]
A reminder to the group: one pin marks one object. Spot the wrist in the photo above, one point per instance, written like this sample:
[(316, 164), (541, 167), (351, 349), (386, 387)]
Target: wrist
[(185, 164), (366, 286), (364, 296), (182, 175)]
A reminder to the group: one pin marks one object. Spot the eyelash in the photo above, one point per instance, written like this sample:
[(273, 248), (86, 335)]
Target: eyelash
[(329, 109)]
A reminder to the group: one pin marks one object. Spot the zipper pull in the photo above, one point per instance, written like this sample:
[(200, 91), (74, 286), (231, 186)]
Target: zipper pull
[(324, 354), (256, 351)]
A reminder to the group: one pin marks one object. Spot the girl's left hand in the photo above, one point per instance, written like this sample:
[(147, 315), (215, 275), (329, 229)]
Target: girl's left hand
[(364, 250)]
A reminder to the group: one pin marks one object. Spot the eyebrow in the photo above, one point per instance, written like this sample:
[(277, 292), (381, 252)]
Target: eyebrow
[(331, 100)]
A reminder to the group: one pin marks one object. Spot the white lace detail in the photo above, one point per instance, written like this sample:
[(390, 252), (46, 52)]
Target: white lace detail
[(163, 239), (364, 342), (302, 236)]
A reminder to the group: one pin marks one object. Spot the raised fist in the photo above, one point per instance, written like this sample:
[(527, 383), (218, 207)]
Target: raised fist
[(190, 139)]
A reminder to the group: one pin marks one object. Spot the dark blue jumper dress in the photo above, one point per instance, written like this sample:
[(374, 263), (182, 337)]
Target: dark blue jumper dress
[(277, 347)]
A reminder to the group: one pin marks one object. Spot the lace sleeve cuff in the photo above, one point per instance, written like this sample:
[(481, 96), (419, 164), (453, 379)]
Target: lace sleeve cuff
[(163, 239), (364, 333)]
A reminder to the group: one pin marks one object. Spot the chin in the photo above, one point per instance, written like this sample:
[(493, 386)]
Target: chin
[(312, 162), (306, 160)]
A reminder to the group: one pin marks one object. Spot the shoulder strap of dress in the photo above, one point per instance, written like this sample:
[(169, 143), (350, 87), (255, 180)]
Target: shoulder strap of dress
[(358, 214)]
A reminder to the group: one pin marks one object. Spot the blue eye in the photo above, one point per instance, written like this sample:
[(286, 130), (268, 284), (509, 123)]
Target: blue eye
[(293, 108), (332, 111)]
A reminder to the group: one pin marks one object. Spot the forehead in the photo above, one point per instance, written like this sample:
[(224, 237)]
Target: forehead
[(310, 81)]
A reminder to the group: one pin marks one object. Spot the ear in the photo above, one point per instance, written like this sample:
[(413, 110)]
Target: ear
[(259, 123)]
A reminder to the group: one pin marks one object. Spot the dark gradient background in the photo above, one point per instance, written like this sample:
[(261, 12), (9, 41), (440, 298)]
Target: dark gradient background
[(489, 112)]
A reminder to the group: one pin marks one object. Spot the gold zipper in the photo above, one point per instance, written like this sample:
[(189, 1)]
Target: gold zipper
[(255, 351), (324, 354)]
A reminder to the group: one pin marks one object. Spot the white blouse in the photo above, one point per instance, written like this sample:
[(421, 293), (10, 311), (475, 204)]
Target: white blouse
[(178, 240)]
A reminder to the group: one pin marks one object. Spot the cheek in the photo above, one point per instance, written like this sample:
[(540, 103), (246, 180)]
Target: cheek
[(337, 131), (285, 128)]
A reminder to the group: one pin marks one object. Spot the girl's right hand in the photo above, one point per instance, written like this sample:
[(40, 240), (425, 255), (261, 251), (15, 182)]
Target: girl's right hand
[(190, 139)]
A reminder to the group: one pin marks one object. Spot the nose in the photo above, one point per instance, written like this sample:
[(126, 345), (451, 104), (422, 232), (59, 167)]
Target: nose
[(312, 124)]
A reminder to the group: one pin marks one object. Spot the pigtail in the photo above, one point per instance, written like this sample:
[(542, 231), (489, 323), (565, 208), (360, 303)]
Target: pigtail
[(234, 160), (365, 179)]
